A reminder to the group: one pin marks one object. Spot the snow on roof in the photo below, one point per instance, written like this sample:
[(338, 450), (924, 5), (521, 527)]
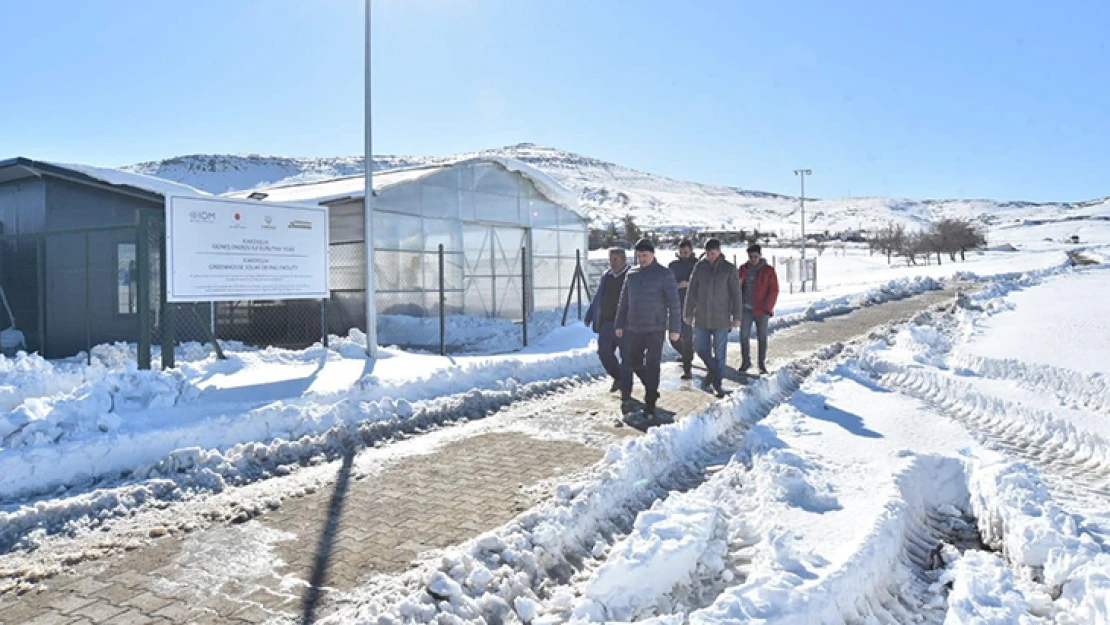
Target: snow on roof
[(117, 177), (352, 187)]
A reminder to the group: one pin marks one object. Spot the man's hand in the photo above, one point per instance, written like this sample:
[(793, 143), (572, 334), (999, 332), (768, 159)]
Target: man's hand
[(620, 333), (675, 336), (688, 321), (736, 324), (684, 284)]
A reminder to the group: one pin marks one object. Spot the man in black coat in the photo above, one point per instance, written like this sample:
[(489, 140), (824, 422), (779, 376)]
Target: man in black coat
[(682, 270), (602, 314), (648, 311)]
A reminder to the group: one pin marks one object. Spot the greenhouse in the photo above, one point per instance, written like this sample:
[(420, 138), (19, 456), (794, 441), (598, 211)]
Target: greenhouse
[(510, 235)]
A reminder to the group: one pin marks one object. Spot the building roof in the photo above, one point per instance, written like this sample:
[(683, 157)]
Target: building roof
[(353, 187), (147, 186)]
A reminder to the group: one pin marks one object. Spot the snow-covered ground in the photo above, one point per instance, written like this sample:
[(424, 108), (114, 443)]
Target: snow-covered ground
[(953, 470), (909, 478)]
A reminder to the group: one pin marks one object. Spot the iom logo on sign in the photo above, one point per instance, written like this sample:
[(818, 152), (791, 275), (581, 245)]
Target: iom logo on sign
[(202, 217)]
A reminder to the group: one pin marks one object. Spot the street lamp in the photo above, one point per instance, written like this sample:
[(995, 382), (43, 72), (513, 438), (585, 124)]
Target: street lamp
[(368, 211), (803, 173)]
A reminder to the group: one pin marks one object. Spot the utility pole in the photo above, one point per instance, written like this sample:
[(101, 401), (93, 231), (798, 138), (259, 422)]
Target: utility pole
[(368, 211), (803, 173)]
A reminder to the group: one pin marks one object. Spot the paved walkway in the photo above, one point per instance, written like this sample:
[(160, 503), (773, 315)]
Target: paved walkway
[(296, 561)]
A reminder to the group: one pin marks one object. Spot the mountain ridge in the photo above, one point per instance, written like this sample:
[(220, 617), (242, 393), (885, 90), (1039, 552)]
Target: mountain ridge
[(609, 191)]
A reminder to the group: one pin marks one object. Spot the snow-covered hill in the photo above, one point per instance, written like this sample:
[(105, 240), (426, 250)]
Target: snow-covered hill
[(609, 192)]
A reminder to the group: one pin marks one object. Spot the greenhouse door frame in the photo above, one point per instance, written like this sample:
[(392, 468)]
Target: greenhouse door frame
[(503, 267)]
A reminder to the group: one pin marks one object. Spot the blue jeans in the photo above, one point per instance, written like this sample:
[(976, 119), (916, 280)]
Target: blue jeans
[(607, 346), (760, 322), (712, 348)]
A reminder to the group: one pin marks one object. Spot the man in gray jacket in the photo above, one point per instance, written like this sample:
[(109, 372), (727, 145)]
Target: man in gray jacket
[(647, 311), (714, 305)]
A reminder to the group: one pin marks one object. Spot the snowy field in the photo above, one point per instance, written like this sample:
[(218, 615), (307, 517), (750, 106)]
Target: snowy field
[(953, 469), (900, 479)]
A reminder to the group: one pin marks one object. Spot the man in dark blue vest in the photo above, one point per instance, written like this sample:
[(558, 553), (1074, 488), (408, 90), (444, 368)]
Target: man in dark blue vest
[(647, 313), (602, 314)]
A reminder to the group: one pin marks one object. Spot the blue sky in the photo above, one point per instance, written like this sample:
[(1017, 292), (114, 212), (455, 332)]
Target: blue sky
[(916, 99)]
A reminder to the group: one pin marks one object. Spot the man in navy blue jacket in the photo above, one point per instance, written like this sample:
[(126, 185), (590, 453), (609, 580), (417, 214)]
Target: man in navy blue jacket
[(602, 314), (648, 311)]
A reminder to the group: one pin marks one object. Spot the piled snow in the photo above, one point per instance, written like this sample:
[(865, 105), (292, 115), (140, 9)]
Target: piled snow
[(499, 573), (985, 592), (75, 423), (667, 547), (467, 334), (123, 177)]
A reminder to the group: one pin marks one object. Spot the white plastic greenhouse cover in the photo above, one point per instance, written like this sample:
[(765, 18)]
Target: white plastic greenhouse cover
[(351, 187)]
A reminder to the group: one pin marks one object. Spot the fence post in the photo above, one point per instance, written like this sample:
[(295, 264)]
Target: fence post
[(578, 270), (42, 294), (169, 323), (324, 321), (442, 305), (88, 298), (524, 292), (814, 274), (142, 253)]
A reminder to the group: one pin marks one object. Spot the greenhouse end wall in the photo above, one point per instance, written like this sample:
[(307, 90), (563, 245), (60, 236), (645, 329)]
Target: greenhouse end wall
[(484, 216)]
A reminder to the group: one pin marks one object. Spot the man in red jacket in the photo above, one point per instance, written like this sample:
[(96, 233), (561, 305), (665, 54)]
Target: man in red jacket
[(760, 287)]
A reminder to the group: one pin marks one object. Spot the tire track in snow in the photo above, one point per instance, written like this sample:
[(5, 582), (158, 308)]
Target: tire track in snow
[(1073, 388), (1076, 463), (893, 577)]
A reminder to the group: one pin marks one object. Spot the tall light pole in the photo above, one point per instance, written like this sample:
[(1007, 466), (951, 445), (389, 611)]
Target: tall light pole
[(368, 211), (803, 173)]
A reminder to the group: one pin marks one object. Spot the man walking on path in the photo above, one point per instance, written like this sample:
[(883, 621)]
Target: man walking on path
[(682, 269), (761, 291), (648, 310), (602, 314), (714, 305)]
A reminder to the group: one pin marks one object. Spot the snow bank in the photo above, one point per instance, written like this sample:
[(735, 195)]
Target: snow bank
[(785, 590), (830, 307), (985, 592), (467, 334), (110, 422), (499, 573), (1018, 516)]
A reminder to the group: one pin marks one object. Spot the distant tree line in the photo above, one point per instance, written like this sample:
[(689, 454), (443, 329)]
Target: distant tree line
[(947, 236)]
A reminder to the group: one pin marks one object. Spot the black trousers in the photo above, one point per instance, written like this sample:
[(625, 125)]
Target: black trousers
[(641, 354), (685, 346)]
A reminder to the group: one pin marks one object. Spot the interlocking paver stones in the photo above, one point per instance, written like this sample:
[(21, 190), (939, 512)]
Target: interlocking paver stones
[(99, 611)]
